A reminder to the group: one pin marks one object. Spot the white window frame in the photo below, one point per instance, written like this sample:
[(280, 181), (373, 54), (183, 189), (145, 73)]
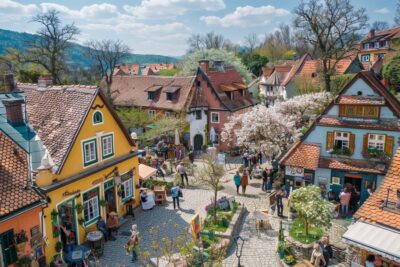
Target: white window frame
[(94, 205), (344, 137), (366, 46), (85, 143), (366, 56), (376, 141), (376, 45), (152, 113), (127, 187), (212, 119), (109, 153)]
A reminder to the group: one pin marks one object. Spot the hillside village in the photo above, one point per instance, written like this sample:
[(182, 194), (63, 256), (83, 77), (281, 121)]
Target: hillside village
[(275, 152)]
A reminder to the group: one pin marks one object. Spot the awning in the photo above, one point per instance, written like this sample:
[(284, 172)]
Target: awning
[(146, 172), (374, 238)]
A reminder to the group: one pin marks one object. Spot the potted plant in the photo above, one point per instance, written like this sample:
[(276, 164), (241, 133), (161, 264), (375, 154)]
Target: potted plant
[(281, 249), (54, 213), (81, 221), (103, 202), (20, 240), (119, 191), (289, 260), (78, 207), (58, 246)]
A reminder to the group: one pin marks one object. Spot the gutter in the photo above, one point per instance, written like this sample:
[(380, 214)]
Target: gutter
[(22, 210), (81, 175)]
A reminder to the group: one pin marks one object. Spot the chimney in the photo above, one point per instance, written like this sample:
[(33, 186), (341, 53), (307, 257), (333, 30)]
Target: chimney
[(9, 83), (371, 33), (204, 65), (15, 115), (219, 65), (45, 80)]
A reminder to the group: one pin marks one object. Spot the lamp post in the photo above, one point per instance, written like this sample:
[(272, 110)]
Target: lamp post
[(239, 241)]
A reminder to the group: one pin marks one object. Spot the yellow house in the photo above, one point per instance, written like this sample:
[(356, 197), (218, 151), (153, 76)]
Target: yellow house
[(88, 166)]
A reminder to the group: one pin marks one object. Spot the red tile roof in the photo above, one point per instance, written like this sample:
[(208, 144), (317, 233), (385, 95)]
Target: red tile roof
[(372, 210), (360, 100), (132, 91), (296, 69), (314, 66), (157, 67), (390, 125), (267, 72), (351, 165), (387, 34), (132, 69), (14, 191), (302, 155)]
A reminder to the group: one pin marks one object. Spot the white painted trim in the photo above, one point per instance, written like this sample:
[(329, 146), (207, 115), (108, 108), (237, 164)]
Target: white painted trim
[(83, 151), (75, 216), (113, 144), (87, 190), (211, 118)]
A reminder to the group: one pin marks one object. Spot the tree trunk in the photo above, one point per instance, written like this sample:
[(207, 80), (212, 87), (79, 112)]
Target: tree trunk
[(327, 77), (215, 204), (306, 226)]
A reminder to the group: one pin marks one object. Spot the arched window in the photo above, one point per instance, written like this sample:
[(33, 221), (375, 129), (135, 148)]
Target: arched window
[(97, 117)]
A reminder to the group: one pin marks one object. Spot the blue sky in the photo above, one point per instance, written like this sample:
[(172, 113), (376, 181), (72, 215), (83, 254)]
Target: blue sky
[(163, 26)]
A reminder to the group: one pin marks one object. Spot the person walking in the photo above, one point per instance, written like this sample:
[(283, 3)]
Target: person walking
[(279, 200), (244, 181), (175, 196), (131, 245), (344, 201), (326, 249), (191, 156), (264, 186), (236, 180), (317, 257), (159, 169), (182, 171)]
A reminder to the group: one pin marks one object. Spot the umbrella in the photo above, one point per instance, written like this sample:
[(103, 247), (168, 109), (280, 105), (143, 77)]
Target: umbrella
[(177, 137)]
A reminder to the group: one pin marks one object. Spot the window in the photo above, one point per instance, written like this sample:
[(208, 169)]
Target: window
[(313, 75), (341, 140), (152, 113), (376, 45), (97, 117), (198, 114), (365, 58), (170, 96), (230, 95), (89, 152), (214, 117), (127, 190), (91, 208), (241, 92), (198, 83), (376, 141), (366, 46), (381, 55), (168, 114), (359, 111), (151, 95), (9, 251), (107, 146)]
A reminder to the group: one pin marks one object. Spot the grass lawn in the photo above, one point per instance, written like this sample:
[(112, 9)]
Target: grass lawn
[(223, 219), (297, 232)]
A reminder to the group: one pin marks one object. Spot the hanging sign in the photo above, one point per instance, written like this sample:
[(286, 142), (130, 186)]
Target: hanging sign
[(294, 171)]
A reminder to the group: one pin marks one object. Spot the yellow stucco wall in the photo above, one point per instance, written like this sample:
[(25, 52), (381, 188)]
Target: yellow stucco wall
[(74, 165)]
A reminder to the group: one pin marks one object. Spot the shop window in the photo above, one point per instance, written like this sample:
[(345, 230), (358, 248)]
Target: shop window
[(97, 117), (376, 141), (91, 208), (308, 178), (298, 181), (198, 114), (89, 152), (127, 190), (341, 140), (9, 251), (214, 117), (107, 146)]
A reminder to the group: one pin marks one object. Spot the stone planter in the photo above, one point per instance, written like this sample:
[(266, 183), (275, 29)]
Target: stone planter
[(233, 228), (300, 250)]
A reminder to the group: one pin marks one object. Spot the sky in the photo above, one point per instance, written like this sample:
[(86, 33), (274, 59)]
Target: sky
[(163, 26)]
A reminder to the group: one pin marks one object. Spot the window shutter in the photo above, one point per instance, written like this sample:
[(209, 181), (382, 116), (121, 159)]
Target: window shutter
[(329, 140), (342, 111), (365, 143), (389, 143), (351, 143)]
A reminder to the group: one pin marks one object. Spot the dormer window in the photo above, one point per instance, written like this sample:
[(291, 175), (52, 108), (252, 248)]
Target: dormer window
[(172, 92), (170, 96), (153, 91), (230, 95), (151, 95)]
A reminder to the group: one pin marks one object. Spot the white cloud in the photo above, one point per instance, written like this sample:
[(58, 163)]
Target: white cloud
[(8, 7), (383, 10), (156, 9), (95, 11), (247, 16)]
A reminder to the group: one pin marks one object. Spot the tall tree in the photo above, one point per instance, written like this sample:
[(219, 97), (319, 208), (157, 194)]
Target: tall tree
[(380, 25), (331, 27), (49, 50), (251, 41), (209, 41), (106, 54), (397, 15)]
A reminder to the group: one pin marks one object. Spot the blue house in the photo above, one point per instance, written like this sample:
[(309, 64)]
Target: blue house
[(351, 142)]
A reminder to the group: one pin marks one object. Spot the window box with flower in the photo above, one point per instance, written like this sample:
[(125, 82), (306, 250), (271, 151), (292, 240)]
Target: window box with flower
[(343, 151), (375, 154)]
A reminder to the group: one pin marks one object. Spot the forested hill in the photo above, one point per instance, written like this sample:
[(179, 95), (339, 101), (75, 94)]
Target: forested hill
[(76, 55)]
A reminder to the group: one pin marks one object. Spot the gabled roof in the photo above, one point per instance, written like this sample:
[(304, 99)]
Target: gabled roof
[(57, 114), (303, 156), (372, 209), (387, 34), (297, 67), (132, 91), (15, 194)]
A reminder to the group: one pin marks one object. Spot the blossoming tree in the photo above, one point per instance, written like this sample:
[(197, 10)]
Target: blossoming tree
[(272, 130)]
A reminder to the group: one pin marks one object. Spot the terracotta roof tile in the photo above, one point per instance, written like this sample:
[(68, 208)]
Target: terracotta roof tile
[(382, 124), (385, 34), (351, 165), (14, 191), (133, 91), (360, 100), (132, 69), (372, 209), (303, 155)]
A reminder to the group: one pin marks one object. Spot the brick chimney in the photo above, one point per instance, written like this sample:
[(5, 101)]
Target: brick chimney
[(14, 111), (45, 80), (204, 65), (219, 65), (371, 33), (9, 83)]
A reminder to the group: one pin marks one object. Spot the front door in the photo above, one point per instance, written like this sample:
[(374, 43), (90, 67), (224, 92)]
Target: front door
[(68, 231), (110, 198), (198, 142), (7, 248)]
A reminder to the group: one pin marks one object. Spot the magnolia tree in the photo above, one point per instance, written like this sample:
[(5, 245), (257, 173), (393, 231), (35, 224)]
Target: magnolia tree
[(311, 207), (272, 130)]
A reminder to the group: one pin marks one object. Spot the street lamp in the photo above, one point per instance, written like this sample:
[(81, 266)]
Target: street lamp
[(239, 241)]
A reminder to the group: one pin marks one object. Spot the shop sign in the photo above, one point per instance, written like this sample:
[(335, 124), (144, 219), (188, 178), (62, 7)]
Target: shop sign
[(97, 181), (70, 193), (195, 223), (294, 171)]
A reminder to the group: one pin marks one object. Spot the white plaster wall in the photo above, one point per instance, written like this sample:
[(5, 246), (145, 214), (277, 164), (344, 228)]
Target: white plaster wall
[(362, 86), (196, 126)]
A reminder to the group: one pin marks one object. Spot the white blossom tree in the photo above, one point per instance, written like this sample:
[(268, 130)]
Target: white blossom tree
[(272, 130)]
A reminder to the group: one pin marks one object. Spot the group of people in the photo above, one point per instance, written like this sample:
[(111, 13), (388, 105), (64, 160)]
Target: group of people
[(107, 228), (374, 261), (241, 181), (251, 158), (322, 253)]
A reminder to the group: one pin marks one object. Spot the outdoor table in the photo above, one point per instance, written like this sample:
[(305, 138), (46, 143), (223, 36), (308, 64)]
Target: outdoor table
[(77, 254), (160, 194), (96, 244)]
